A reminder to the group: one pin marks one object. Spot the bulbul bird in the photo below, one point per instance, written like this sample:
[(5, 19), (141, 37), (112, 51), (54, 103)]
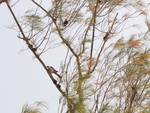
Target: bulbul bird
[(65, 22), (53, 71), (106, 37), (1, 1)]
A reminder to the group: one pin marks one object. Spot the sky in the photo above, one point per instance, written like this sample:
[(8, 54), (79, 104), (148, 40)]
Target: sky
[(22, 78)]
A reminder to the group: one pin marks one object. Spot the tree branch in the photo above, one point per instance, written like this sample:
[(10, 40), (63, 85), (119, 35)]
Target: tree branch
[(58, 30)]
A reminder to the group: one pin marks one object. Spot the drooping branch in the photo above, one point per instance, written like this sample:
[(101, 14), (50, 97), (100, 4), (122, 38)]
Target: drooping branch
[(30, 46)]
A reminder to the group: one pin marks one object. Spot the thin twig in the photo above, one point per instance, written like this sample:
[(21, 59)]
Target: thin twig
[(58, 30)]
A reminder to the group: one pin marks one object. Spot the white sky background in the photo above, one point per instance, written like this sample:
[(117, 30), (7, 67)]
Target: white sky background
[(22, 78)]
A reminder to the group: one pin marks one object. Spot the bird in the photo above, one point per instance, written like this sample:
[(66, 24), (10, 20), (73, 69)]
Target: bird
[(106, 37), (1, 1), (65, 22), (53, 71)]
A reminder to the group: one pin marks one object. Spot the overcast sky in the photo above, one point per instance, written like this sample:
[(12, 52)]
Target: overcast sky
[(22, 79)]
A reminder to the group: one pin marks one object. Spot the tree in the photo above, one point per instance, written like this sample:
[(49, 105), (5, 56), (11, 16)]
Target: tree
[(102, 71)]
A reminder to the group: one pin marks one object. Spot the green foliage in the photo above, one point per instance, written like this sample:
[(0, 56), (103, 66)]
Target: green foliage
[(116, 110), (34, 21), (35, 108)]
